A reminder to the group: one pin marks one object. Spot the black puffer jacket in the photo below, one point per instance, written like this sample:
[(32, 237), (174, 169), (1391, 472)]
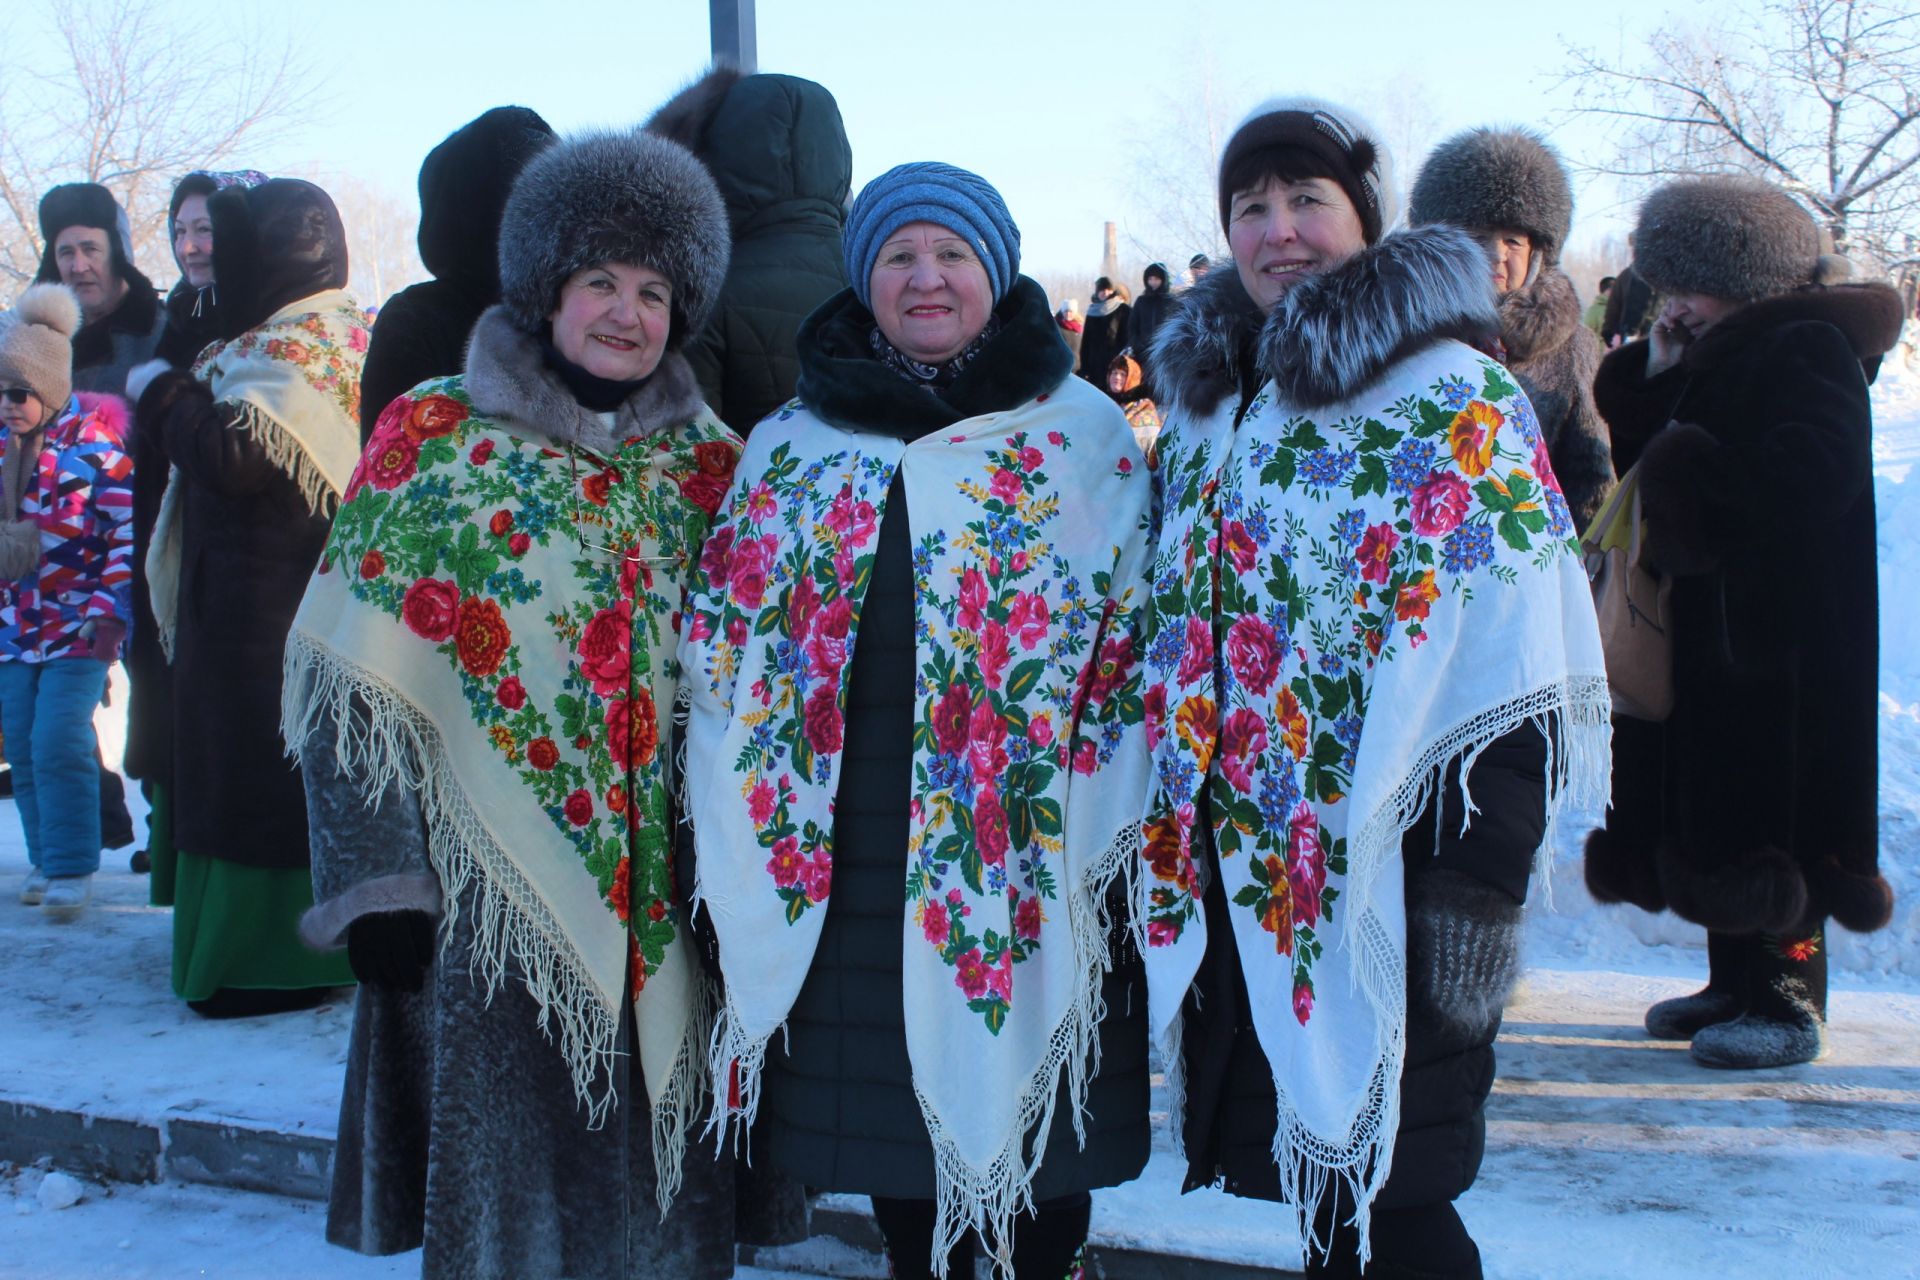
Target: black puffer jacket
[(421, 332), (1757, 801), (838, 1110), (250, 543), (778, 150)]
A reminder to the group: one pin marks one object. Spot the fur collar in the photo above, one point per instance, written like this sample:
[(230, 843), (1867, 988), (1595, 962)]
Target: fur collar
[(507, 378), (1539, 318), (1334, 333), (842, 383), (1869, 315)]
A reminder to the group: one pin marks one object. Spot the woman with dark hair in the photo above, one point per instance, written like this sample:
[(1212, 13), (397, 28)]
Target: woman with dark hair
[(912, 659), (1104, 335), (1754, 808), (1366, 610), (260, 436), (480, 686)]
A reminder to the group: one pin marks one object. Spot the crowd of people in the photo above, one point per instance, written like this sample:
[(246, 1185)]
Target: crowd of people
[(763, 701)]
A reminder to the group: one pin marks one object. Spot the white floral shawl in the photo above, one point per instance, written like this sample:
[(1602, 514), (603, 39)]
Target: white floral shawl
[(1029, 541)]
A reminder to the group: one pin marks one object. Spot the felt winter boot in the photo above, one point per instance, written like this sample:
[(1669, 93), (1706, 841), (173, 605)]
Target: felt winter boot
[(1724, 998), (1786, 1017)]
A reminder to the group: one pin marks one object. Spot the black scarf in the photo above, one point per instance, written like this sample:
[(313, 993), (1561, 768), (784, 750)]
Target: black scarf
[(601, 395)]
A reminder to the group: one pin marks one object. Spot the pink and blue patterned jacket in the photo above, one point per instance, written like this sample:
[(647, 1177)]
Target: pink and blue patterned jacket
[(82, 496)]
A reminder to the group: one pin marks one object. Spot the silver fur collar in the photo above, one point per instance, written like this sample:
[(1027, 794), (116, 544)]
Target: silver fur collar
[(1334, 333), (508, 379)]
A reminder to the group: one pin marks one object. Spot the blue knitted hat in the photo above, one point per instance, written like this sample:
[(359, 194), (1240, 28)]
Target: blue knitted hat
[(928, 191)]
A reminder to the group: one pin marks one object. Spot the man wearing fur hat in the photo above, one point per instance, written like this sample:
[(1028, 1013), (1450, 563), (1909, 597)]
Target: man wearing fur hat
[(66, 571), (1753, 809), (89, 248), (1510, 191)]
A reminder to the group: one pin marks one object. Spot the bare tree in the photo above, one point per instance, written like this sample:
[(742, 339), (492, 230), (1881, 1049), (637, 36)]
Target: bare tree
[(138, 99), (381, 232), (1820, 96)]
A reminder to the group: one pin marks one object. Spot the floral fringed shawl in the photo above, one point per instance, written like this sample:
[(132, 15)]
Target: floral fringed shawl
[(1029, 760), (1345, 602), (503, 612)]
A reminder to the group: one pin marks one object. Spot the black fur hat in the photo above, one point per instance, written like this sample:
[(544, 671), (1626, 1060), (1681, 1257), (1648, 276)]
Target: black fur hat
[(1487, 178), (613, 197), (1727, 236)]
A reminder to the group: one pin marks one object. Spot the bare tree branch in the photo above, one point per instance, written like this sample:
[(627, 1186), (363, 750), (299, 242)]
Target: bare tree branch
[(1821, 96)]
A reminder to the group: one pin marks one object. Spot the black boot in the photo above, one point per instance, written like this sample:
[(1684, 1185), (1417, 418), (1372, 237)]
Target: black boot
[(1723, 999), (251, 1002), (1786, 1019)]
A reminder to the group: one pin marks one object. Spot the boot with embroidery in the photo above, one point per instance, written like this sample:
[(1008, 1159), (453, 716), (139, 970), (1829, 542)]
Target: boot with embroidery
[(1786, 1018), (1723, 999)]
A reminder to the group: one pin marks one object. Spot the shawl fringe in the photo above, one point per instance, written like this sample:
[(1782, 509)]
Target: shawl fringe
[(288, 456), (1574, 714), (392, 741)]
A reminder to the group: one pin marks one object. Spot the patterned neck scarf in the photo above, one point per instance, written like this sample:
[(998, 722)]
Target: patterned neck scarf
[(937, 376)]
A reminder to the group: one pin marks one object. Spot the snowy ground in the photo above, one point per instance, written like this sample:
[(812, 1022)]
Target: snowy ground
[(1608, 1154)]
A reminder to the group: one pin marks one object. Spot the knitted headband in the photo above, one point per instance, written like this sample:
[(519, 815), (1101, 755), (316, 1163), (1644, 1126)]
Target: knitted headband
[(928, 191), (1345, 145)]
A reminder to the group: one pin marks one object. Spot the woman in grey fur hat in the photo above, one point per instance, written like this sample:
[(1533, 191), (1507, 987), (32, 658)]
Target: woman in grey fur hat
[(1363, 592), (1509, 190), (1753, 810), (480, 684)]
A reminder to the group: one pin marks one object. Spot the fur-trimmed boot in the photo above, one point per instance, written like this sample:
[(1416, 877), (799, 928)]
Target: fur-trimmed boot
[(1786, 1018), (1724, 998)]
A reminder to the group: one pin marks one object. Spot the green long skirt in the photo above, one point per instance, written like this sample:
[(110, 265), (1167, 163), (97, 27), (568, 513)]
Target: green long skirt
[(234, 926)]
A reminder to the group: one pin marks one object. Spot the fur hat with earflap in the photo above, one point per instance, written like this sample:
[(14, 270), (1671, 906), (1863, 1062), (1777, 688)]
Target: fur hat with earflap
[(1506, 178), (613, 197), (1728, 236), (36, 344)]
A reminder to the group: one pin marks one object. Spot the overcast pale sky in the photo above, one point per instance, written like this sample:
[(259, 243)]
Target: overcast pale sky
[(1062, 106)]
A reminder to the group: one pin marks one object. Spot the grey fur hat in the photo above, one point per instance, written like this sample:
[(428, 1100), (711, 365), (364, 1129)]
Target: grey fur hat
[(1727, 236), (1487, 178), (613, 197)]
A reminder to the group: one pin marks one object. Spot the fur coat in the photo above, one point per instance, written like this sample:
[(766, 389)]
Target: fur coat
[(1756, 802), (427, 1152), (1555, 357)]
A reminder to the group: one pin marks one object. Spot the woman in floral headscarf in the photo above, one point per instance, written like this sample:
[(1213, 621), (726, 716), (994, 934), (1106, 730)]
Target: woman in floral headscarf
[(1366, 609), (912, 661), (260, 436)]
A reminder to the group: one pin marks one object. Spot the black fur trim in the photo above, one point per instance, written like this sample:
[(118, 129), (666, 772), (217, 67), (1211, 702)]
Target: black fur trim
[(1203, 350), (1616, 871), (1334, 334), (842, 382), (1680, 535), (1868, 315), (1862, 903), (614, 197), (685, 116), (508, 379), (1764, 890), (1488, 178)]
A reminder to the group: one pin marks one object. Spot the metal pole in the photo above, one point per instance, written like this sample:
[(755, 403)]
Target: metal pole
[(733, 34)]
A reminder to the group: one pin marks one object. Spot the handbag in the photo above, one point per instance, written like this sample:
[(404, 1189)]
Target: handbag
[(1633, 604)]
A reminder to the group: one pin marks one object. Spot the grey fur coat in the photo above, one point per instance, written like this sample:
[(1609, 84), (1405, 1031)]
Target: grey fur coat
[(1556, 358), (459, 1126)]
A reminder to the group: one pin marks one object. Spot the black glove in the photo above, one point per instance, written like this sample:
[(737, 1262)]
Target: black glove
[(391, 949), (1463, 948)]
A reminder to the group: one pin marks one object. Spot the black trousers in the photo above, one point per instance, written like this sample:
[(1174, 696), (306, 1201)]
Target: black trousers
[(1046, 1245)]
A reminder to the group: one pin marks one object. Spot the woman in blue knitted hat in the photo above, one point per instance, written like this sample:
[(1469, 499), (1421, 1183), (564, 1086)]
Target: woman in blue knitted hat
[(913, 660)]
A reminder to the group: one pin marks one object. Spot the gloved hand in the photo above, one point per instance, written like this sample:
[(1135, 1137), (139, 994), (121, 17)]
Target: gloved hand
[(108, 634), (391, 949), (1463, 948), (19, 549)]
